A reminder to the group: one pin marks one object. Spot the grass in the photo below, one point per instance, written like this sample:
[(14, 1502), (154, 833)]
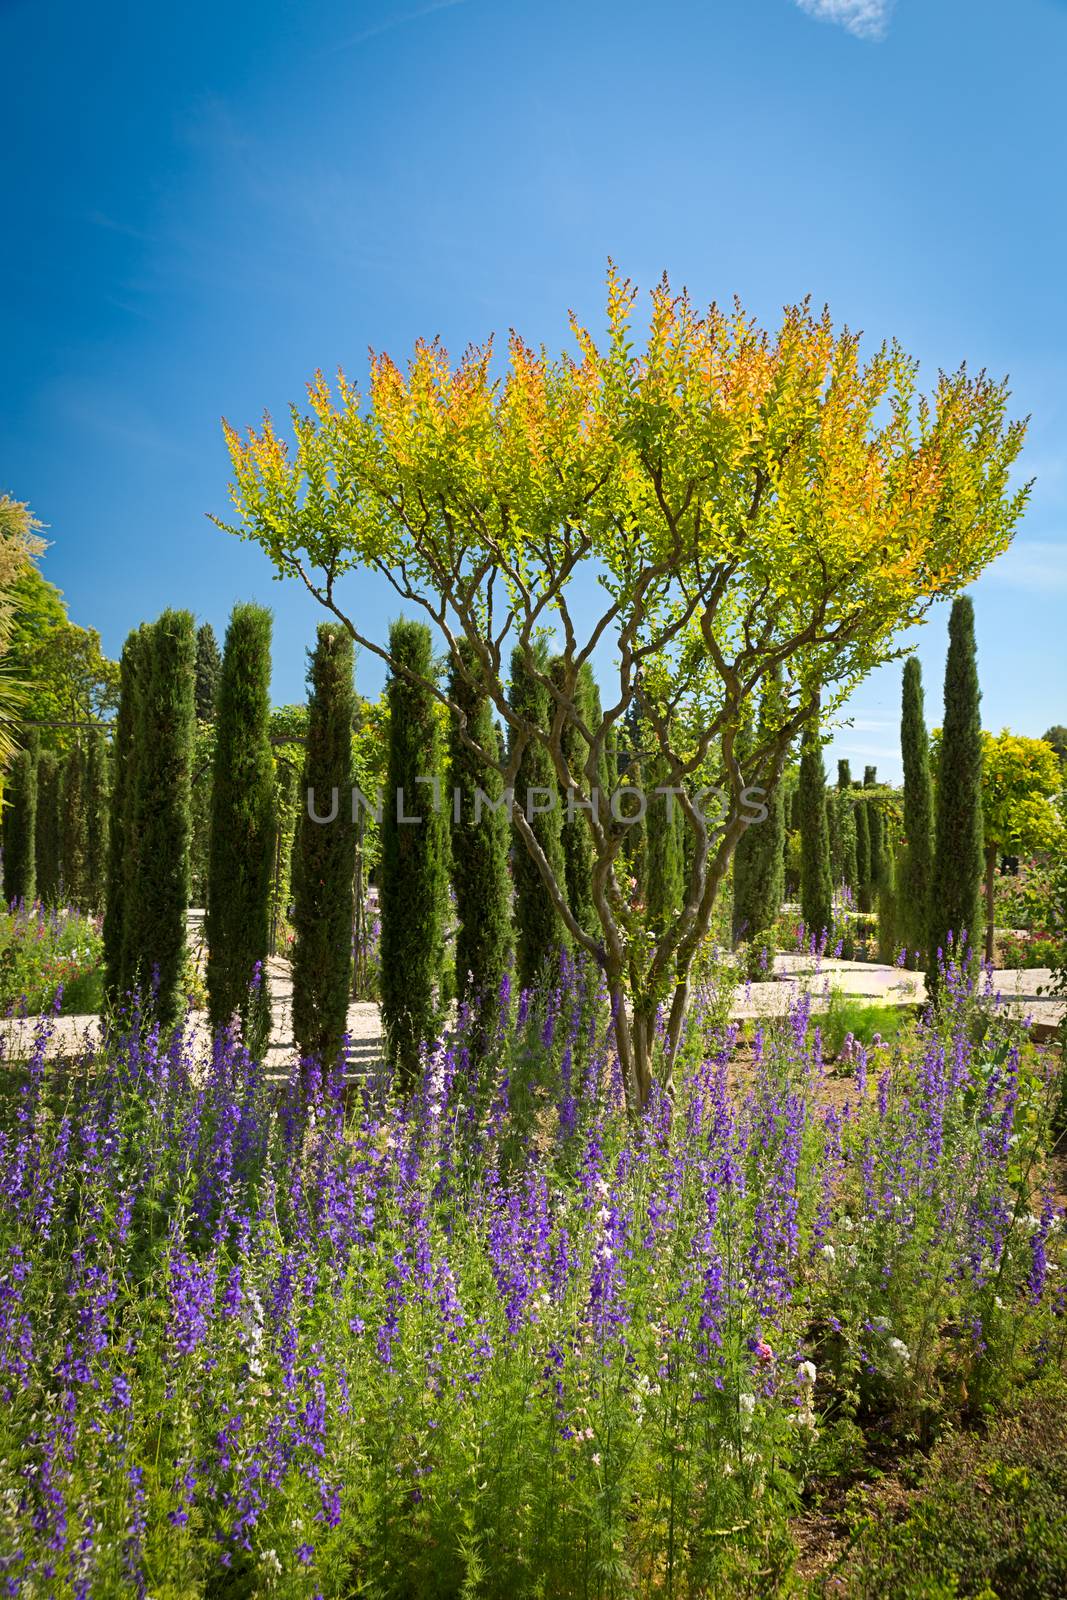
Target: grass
[(862, 1020)]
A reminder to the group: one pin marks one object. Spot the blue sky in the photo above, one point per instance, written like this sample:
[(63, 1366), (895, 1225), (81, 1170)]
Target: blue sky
[(202, 204)]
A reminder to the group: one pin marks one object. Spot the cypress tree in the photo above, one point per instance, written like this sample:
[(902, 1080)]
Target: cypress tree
[(864, 887), (844, 775), (49, 838), (876, 836), (575, 835), (208, 673), (916, 866), (870, 777), (241, 846), (955, 896), (845, 821), (413, 866), (96, 821), (666, 855), (121, 841), (158, 887), (74, 826), (759, 863), (20, 829), (480, 837), (325, 856), (540, 930), (816, 884)]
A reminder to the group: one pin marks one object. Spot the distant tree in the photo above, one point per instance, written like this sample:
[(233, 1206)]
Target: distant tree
[(20, 829), (665, 854), (844, 775), (816, 885), (74, 826), (958, 856), (876, 844), (759, 861), (158, 887), (20, 543), (324, 858), (67, 677), (845, 822), (575, 837), (540, 931), (208, 672), (917, 863), (122, 839), (1020, 778), (96, 821), (481, 833), (864, 885), (49, 828), (241, 851), (1056, 736), (414, 862), (870, 777)]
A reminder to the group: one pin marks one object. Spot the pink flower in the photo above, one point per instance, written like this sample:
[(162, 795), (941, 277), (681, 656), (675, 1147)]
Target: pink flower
[(764, 1353)]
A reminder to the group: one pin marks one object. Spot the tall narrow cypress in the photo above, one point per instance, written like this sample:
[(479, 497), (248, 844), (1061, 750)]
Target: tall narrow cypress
[(864, 888), (241, 846), (96, 821), (759, 859), (121, 842), (916, 866), (49, 848), (876, 836), (845, 822), (665, 868), (816, 883), (575, 835), (481, 833), (159, 883), (955, 896), (540, 930), (74, 828), (325, 855), (870, 777), (20, 829), (414, 858), (208, 673), (844, 775)]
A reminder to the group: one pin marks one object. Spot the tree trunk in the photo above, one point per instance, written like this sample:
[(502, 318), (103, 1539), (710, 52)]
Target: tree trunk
[(990, 873)]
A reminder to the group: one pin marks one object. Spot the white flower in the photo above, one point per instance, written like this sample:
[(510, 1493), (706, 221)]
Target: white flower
[(806, 1374), (596, 1458), (828, 1253), (898, 1354)]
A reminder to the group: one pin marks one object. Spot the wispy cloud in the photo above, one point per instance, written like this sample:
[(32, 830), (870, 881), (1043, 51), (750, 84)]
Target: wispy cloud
[(867, 19), (1037, 564), (388, 23)]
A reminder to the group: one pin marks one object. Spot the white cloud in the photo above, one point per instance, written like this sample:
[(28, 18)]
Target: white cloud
[(1036, 564), (867, 19)]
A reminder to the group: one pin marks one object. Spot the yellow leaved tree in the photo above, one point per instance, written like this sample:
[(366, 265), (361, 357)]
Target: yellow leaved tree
[(750, 507)]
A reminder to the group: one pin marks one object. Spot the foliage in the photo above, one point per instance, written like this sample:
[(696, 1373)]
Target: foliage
[(97, 784), (67, 677), (841, 818), (816, 883), (986, 1519), (157, 842), (1056, 736), (849, 1023), (576, 840), (957, 866), (1020, 778), (414, 862), (324, 859), (540, 932), (121, 847), (74, 826), (864, 885), (759, 868), (49, 831), (481, 835), (241, 850), (208, 673), (748, 503), (20, 543), (917, 862), (45, 951), (20, 829), (504, 1339), (665, 856)]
